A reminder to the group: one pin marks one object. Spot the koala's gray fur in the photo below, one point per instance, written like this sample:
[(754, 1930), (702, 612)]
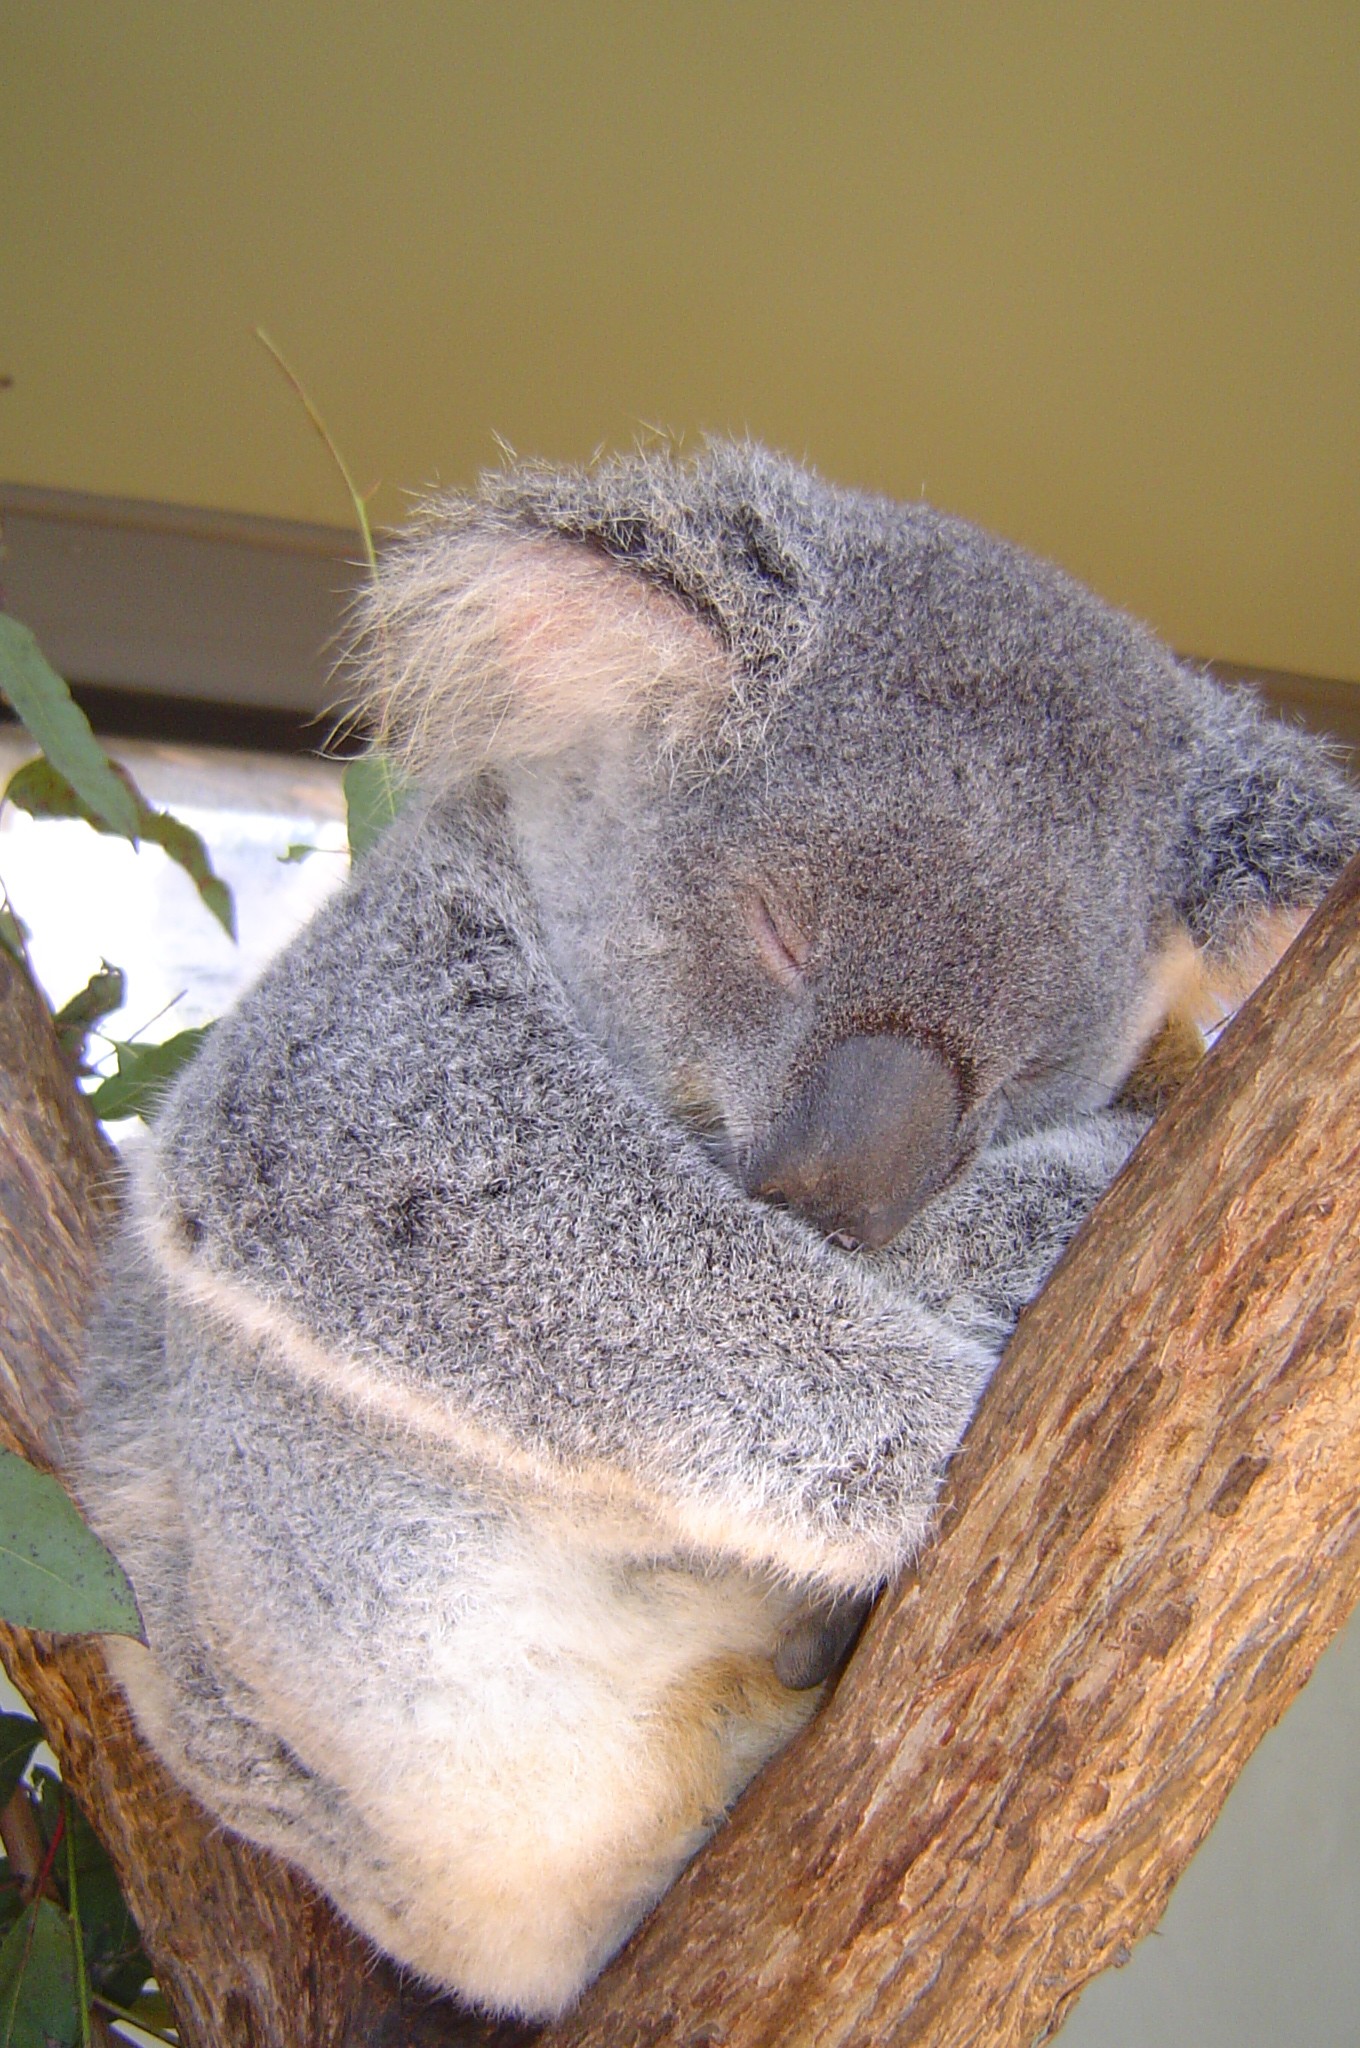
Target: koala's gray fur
[(492, 1467)]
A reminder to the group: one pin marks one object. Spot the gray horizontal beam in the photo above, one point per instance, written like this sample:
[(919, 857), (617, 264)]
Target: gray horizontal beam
[(215, 606), (224, 608)]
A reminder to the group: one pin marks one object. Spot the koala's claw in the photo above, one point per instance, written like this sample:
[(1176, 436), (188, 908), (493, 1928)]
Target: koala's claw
[(817, 1644)]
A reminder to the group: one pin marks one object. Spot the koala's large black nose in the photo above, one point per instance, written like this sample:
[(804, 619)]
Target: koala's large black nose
[(868, 1136)]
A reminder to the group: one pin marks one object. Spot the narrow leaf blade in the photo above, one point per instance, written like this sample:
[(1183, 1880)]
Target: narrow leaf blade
[(39, 2004), (102, 994), (43, 792), (61, 729), (114, 1957), (144, 1074), (19, 1737), (375, 790), (54, 1572), (185, 847)]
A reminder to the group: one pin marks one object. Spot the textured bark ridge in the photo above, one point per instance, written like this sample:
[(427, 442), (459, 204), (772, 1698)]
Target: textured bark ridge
[(1150, 1535)]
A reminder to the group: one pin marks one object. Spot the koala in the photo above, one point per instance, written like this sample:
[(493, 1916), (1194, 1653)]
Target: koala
[(547, 1306)]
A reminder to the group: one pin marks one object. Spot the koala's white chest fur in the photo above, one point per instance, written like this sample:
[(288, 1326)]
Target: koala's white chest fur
[(536, 1768), (577, 1735)]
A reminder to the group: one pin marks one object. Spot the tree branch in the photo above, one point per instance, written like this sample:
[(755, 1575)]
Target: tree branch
[(1149, 1537)]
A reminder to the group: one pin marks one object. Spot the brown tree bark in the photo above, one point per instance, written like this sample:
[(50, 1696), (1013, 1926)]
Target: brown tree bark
[(1150, 1535), (247, 1953)]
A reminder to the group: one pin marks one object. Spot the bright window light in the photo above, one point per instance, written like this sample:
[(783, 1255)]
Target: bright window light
[(86, 897)]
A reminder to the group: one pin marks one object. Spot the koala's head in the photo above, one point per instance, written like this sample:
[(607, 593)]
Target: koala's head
[(854, 833)]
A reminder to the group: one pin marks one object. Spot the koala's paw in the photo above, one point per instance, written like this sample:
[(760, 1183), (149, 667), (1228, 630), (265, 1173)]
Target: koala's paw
[(982, 1248)]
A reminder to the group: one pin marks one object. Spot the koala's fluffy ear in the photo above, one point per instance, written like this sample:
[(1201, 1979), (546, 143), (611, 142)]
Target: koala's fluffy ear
[(483, 647), (1270, 823)]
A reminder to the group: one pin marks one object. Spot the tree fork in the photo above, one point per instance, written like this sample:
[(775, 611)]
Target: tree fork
[(1150, 1535)]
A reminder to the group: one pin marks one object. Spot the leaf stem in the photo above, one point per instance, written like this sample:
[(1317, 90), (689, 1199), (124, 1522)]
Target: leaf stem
[(154, 1018), (77, 1931), (356, 496)]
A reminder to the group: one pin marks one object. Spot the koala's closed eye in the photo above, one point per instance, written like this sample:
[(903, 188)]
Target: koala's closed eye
[(783, 947)]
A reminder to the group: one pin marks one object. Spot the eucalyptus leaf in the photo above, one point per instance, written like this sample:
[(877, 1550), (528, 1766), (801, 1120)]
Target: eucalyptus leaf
[(144, 1073), (294, 854), (375, 790), (61, 729), (39, 2004), (44, 792), (152, 2009), (102, 994), (19, 1737), (114, 1957), (185, 847), (41, 789), (54, 1572)]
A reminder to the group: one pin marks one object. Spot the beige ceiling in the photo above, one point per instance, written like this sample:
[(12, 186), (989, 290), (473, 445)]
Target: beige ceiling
[(1085, 272)]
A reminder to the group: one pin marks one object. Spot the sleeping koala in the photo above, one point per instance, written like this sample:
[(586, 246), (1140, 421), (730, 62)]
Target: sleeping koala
[(548, 1304)]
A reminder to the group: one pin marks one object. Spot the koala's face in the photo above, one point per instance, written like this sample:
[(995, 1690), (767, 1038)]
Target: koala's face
[(846, 966), (854, 833)]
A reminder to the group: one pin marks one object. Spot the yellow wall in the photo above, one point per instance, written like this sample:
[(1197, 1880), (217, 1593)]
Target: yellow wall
[(1085, 272)]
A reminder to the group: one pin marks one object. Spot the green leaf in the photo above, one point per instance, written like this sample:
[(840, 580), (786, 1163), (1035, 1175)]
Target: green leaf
[(19, 1737), (144, 1073), (153, 2008), (102, 994), (39, 2007), (185, 847), (293, 855), (375, 790), (54, 1572), (44, 792), (13, 932), (114, 1957), (62, 730)]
